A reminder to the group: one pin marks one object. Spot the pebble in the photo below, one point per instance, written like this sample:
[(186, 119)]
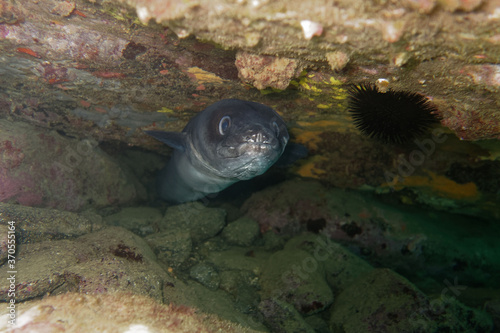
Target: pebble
[(206, 275), (241, 232), (202, 222), (172, 248), (110, 260), (296, 277), (383, 298), (40, 224), (140, 220)]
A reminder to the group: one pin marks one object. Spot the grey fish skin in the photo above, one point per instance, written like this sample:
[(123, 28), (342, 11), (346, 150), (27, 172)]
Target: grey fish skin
[(229, 141)]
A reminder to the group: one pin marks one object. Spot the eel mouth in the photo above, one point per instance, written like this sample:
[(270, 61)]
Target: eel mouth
[(251, 169), (255, 163), (248, 159), (256, 148), (249, 149)]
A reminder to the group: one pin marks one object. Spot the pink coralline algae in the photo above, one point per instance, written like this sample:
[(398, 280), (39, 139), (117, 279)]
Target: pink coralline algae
[(469, 124), (484, 74), (53, 73), (68, 40), (43, 168), (11, 155), (8, 187)]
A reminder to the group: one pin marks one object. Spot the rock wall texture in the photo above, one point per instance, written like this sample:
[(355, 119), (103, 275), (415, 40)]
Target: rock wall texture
[(107, 69), (44, 168), (82, 58), (440, 48)]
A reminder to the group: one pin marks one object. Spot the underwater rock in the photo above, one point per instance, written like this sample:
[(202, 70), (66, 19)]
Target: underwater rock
[(337, 60), (409, 239), (273, 241), (140, 220), (114, 312), (267, 71), (63, 8), (171, 247), (122, 115), (202, 222), (317, 323), (77, 62), (241, 232), (426, 6), (282, 317), (287, 207), (306, 271), (238, 258), (193, 294), (341, 266), (113, 259), (4, 242), (493, 308), (206, 275), (43, 168), (242, 286), (384, 300), (42, 224), (298, 278)]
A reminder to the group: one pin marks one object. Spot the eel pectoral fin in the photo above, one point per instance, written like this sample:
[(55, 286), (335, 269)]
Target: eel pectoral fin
[(292, 153), (176, 140)]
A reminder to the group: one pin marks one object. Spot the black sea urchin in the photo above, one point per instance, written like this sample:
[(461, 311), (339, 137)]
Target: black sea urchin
[(393, 116)]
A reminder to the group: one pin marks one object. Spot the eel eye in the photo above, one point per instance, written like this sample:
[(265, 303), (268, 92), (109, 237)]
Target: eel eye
[(276, 129), (224, 124)]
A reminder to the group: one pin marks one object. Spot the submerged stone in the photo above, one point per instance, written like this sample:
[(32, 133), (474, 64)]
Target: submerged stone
[(206, 275), (43, 168), (340, 265), (139, 220), (41, 224), (202, 222), (282, 317), (296, 277), (384, 300), (171, 247), (241, 232), (4, 242), (109, 260), (116, 312)]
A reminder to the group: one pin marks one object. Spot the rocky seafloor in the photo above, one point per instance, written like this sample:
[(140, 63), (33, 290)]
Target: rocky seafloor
[(293, 256), (359, 236)]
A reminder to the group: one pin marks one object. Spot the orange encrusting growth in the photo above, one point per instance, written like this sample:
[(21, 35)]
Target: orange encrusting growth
[(442, 186), (309, 169), (26, 50), (308, 138)]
